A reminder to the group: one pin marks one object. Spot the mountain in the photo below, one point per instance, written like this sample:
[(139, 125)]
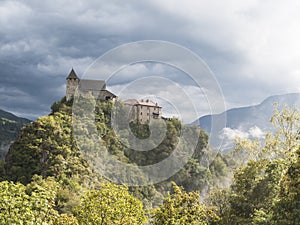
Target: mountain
[(9, 128), (245, 122)]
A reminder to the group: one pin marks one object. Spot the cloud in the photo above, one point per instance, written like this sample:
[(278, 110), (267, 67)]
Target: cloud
[(253, 133), (229, 135), (232, 134), (256, 132), (175, 90), (249, 45)]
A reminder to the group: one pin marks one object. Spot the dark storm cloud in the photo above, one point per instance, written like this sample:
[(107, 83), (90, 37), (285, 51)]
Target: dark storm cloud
[(40, 41)]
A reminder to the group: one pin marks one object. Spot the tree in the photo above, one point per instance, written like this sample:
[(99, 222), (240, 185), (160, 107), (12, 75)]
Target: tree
[(253, 190), (31, 204), (219, 198), (184, 208), (264, 189), (286, 210), (111, 204)]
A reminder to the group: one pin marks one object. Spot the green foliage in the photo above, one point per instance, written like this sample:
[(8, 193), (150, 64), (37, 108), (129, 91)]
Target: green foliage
[(220, 199), (141, 131), (254, 188), (265, 188), (198, 173), (66, 219), (50, 139), (110, 204), (47, 147), (31, 204), (184, 208), (286, 208)]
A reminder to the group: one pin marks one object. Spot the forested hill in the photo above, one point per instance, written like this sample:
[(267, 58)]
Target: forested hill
[(9, 128), (46, 180), (46, 147)]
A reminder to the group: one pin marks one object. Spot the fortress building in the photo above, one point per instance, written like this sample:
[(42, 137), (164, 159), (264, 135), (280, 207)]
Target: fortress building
[(143, 111), (96, 87)]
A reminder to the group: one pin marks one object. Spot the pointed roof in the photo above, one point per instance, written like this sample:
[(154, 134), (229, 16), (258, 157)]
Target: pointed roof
[(72, 75)]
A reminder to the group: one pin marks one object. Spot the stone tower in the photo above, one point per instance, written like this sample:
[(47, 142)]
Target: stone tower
[(72, 84)]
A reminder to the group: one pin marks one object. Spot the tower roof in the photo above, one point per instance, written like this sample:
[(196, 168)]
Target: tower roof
[(72, 75)]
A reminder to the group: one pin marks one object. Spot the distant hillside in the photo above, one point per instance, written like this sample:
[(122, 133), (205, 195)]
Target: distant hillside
[(9, 128), (247, 122)]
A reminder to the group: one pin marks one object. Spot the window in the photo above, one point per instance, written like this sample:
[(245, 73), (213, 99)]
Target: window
[(155, 115)]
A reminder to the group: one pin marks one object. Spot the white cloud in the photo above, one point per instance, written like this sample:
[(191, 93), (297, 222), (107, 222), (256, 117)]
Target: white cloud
[(253, 133), (256, 132), (232, 134), (229, 135)]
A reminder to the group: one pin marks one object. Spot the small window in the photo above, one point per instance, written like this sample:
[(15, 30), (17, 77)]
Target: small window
[(141, 113)]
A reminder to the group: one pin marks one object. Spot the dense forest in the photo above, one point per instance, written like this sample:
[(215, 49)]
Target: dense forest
[(46, 179)]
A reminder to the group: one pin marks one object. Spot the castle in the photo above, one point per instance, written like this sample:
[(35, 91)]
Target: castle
[(142, 111), (96, 87)]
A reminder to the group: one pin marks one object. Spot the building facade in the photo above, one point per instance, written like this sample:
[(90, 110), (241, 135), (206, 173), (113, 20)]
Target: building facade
[(143, 111)]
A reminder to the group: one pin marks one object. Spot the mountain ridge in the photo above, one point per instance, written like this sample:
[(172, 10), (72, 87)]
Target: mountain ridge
[(245, 121), (10, 125)]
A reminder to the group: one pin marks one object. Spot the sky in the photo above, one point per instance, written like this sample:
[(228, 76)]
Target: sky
[(251, 47)]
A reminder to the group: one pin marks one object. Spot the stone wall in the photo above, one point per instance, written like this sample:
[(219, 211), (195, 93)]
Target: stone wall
[(71, 86)]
